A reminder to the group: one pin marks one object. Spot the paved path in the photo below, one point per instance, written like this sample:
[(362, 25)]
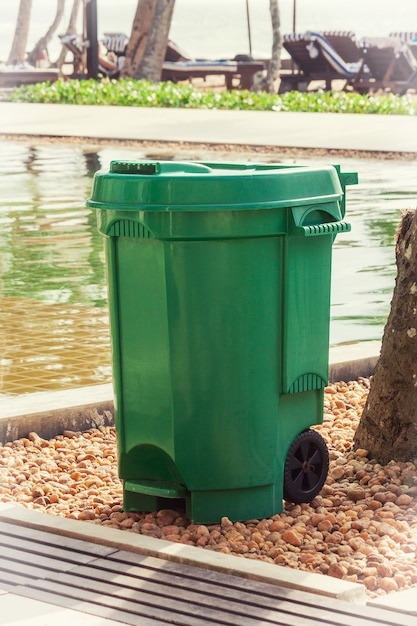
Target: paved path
[(393, 133)]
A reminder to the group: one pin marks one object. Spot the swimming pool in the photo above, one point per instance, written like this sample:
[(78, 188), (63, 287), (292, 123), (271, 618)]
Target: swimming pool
[(53, 305)]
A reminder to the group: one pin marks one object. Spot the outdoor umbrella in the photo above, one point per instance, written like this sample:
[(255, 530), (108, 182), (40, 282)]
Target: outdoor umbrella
[(249, 31), (90, 9)]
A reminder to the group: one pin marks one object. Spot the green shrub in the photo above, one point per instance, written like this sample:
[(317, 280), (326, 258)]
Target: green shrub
[(127, 92)]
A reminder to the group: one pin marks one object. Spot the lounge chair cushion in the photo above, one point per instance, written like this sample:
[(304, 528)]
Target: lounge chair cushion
[(347, 70)]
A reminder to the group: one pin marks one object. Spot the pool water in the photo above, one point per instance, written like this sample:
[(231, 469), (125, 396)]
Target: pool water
[(53, 305)]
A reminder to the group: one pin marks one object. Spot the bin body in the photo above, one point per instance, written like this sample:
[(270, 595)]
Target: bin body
[(219, 295)]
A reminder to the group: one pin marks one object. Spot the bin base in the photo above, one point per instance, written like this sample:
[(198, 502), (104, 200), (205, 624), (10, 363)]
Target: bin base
[(144, 503), (208, 507)]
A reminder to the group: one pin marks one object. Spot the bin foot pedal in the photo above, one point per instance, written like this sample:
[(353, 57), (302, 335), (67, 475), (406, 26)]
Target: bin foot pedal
[(160, 489), (151, 495)]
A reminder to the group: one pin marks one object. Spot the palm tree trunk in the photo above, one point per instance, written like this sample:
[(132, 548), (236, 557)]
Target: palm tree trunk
[(142, 25), (43, 42), (71, 30), (150, 67), (267, 83), (18, 50), (388, 426), (275, 63)]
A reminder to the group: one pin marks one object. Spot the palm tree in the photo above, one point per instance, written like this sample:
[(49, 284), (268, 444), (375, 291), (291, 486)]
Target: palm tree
[(388, 426), (148, 41), (71, 30), (272, 74), (18, 50), (42, 44)]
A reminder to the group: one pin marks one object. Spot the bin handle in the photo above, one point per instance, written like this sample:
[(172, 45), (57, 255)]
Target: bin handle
[(330, 228)]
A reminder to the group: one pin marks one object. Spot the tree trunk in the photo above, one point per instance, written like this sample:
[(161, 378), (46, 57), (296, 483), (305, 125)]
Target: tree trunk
[(267, 83), (142, 25), (147, 45), (71, 30), (18, 51), (388, 427), (156, 46), (42, 44)]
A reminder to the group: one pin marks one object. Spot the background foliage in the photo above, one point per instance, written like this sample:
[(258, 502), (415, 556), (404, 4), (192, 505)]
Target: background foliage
[(141, 93)]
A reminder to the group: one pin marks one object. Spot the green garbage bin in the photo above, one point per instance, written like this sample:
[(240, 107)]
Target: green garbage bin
[(219, 295)]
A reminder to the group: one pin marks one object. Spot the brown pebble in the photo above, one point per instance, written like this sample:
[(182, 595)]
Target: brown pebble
[(172, 529), (127, 523), (325, 525), (403, 500), (293, 538), (41, 501), (337, 472), (152, 530), (278, 525), (371, 583), (70, 433), (388, 584), (400, 580), (336, 570), (166, 517), (354, 569), (86, 515), (356, 494), (384, 529), (273, 537), (384, 570), (374, 505), (370, 571), (361, 452), (344, 550)]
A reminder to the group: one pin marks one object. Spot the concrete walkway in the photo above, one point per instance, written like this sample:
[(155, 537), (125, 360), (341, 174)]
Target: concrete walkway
[(384, 133), (56, 569)]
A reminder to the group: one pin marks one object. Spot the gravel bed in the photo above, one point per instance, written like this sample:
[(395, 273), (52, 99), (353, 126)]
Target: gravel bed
[(362, 527)]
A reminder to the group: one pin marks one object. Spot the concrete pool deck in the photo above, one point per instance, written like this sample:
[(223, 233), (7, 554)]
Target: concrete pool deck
[(332, 131), (73, 571)]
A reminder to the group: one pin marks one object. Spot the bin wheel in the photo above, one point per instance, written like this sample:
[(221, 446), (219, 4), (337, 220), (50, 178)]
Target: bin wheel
[(306, 467)]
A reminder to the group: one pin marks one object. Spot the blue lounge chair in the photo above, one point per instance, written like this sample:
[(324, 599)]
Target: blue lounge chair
[(345, 43), (186, 70), (106, 66), (392, 64), (179, 66), (409, 38), (317, 60)]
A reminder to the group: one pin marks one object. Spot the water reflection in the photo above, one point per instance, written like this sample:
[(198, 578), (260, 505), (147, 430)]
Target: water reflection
[(50, 247), (53, 307), (46, 346)]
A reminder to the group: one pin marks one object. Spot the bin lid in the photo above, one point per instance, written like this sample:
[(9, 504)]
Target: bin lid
[(198, 186)]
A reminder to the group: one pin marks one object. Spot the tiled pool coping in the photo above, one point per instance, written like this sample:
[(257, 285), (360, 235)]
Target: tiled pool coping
[(403, 602), (50, 413)]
